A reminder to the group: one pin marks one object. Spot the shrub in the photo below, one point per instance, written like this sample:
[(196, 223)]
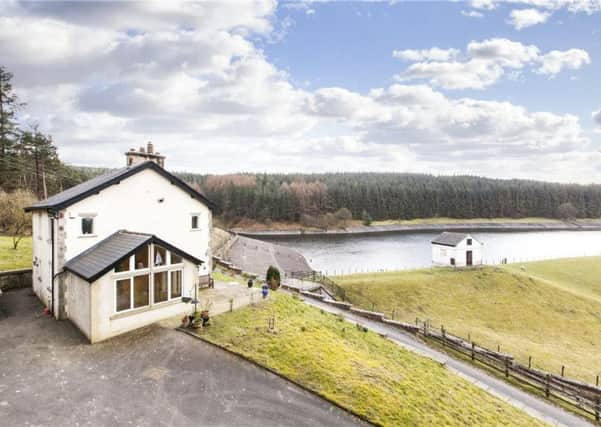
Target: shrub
[(273, 277), (366, 218)]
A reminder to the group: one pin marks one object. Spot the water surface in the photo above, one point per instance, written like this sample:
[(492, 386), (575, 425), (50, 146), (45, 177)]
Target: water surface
[(344, 254)]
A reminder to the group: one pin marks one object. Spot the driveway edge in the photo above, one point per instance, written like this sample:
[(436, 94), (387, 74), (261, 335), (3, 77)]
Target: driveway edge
[(272, 371)]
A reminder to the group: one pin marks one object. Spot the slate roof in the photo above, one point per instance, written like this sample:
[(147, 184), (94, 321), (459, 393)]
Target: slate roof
[(449, 239), (103, 256), (95, 185)]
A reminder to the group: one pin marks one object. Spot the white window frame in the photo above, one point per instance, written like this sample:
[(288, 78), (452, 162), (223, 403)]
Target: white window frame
[(150, 272)]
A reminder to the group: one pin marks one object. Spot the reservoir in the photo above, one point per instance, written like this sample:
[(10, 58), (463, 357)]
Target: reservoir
[(343, 254)]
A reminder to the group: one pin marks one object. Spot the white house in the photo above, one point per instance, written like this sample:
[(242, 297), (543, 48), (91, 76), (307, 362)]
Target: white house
[(456, 249), (120, 251)]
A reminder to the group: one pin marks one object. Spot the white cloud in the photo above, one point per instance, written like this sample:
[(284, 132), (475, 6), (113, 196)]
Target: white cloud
[(432, 54), (556, 60), (597, 116), (190, 77), (488, 61), (472, 13), (523, 18)]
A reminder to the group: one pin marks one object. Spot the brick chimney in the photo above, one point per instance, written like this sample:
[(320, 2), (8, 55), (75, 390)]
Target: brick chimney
[(144, 154)]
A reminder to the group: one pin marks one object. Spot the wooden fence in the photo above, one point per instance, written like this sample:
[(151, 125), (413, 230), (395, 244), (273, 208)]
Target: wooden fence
[(580, 395)]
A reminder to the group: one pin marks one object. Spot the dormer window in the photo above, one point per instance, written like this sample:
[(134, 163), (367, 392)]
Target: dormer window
[(87, 225), (469, 242)]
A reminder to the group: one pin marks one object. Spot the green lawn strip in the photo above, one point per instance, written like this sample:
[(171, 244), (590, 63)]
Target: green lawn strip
[(361, 371), (225, 277), (11, 259), (494, 306)]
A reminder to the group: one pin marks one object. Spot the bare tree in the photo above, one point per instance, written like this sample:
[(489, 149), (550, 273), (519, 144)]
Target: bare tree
[(13, 219)]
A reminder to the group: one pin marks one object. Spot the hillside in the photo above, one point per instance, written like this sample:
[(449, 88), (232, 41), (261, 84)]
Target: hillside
[(551, 311), (359, 370)]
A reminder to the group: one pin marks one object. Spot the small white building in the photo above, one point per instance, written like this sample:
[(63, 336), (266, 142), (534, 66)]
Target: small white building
[(456, 249), (120, 251)]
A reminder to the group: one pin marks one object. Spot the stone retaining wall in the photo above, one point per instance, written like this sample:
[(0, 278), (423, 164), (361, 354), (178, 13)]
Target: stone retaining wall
[(14, 279)]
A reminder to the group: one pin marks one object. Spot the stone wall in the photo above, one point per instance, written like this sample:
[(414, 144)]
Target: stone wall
[(14, 279)]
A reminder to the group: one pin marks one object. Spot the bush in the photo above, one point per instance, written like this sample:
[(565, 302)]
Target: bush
[(13, 219), (366, 218), (273, 277), (567, 211), (343, 215)]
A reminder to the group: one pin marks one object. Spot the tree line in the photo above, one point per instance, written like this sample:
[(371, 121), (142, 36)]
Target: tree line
[(381, 196), (28, 157)]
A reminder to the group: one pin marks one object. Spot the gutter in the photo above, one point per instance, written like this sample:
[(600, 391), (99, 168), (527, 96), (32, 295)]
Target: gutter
[(52, 216)]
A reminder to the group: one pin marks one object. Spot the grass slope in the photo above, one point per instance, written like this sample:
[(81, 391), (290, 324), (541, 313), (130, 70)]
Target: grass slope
[(361, 371), (11, 259), (525, 315)]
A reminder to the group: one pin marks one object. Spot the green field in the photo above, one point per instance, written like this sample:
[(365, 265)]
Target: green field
[(359, 370), (551, 311), (11, 259)]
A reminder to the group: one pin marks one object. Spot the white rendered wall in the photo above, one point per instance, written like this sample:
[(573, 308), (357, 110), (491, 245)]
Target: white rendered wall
[(41, 256), (78, 300), (441, 255), (134, 205)]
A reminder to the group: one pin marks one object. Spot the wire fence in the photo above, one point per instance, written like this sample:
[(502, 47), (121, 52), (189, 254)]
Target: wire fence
[(359, 269)]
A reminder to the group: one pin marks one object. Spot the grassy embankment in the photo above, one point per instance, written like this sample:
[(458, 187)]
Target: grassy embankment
[(550, 311), (359, 370), (11, 259)]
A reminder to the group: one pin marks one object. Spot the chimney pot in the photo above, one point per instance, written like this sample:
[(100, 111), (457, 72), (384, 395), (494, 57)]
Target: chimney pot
[(149, 147)]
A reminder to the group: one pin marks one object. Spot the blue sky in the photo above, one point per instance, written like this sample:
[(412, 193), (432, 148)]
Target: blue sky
[(506, 89), (350, 44)]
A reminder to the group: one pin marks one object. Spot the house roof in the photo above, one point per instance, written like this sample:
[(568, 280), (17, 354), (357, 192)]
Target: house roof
[(449, 239), (103, 256), (95, 185)]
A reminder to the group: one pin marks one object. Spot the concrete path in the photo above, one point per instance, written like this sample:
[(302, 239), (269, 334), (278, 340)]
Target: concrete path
[(156, 376), (534, 406)]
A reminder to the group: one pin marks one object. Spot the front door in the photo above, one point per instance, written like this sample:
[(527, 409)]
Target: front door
[(468, 258)]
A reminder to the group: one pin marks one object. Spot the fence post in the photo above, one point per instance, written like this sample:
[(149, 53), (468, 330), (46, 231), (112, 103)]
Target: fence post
[(529, 362), (426, 328), (442, 332), (507, 367), (562, 370), (473, 351), (597, 407), (393, 314), (548, 385)]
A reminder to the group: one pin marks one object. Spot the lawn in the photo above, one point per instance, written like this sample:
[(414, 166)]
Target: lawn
[(359, 370), (554, 322), (11, 259)]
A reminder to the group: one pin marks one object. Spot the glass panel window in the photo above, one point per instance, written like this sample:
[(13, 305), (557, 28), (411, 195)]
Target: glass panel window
[(122, 265), (160, 256), (87, 226), (194, 222), (469, 242), (141, 291), (123, 294), (175, 258), (141, 258), (160, 287), (176, 284)]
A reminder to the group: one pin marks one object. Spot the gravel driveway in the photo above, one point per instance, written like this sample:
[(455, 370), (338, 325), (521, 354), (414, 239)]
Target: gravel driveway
[(155, 376)]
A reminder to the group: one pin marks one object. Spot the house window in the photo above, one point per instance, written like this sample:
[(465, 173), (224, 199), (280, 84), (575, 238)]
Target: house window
[(140, 293), (194, 222), (161, 287), (123, 294), (176, 284), (122, 265), (452, 261), (87, 226), (141, 258), (176, 259), (160, 256), (469, 242)]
